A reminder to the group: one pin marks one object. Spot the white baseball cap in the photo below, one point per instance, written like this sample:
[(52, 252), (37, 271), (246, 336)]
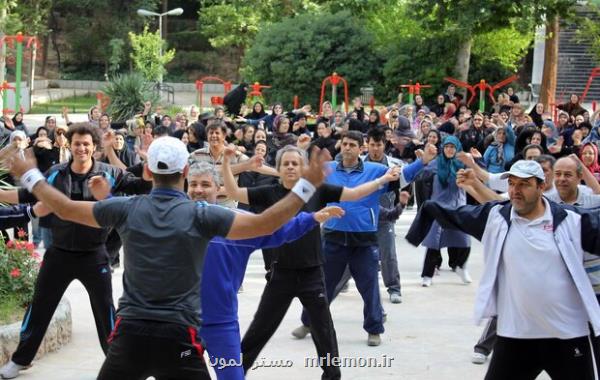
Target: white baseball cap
[(167, 155), (525, 169)]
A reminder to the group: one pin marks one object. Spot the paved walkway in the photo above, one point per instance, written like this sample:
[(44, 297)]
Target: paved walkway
[(428, 337)]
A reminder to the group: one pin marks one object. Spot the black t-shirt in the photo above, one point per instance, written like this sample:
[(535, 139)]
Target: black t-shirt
[(306, 251)]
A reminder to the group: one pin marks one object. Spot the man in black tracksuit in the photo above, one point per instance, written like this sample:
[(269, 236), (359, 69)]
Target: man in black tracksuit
[(77, 251)]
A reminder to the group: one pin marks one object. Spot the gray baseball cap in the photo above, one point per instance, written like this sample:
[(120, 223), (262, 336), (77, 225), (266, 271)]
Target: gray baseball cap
[(525, 169)]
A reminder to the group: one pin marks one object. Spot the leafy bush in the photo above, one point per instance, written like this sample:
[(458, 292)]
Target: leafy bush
[(146, 53), (127, 93), (296, 54), (19, 264)]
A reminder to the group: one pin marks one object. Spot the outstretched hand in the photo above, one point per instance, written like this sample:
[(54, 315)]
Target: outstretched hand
[(19, 165), (392, 174), (429, 153), (315, 171), (99, 187), (327, 213)]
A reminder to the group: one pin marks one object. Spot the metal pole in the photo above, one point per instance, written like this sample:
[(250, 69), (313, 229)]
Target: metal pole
[(32, 74), (19, 73), (160, 77)]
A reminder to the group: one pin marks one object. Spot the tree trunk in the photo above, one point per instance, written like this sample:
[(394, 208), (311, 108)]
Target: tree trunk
[(548, 88), (463, 60), (45, 44)]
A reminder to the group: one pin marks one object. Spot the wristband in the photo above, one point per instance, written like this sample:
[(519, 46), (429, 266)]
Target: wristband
[(31, 177), (379, 184), (304, 189)]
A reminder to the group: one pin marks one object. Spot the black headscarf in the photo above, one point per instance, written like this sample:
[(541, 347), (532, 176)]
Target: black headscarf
[(256, 115), (235, 98)]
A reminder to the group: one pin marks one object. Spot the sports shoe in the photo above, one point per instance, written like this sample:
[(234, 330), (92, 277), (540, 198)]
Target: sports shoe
[(463, 273), (395, 298), (373, 340), (436, 272), (301, 332), (478, 358), (11, 370), (426, 282)]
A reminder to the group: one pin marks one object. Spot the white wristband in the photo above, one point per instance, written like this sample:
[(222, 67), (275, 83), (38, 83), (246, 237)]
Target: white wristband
[(31, 177), (304, 189)]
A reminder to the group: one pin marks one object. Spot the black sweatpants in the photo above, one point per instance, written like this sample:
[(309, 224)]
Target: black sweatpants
[(524, 359), (57, 271), (457, 257), (284, 285), (140, 349)]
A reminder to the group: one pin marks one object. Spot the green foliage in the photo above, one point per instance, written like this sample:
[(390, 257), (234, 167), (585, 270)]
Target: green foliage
[(26, 16), (589, 32), (90, 25), (506, 47), (127, 93), (146, 54), (74, 104), (237, 22), (19, 265), (296, 54), (117, 52), (10, 310)]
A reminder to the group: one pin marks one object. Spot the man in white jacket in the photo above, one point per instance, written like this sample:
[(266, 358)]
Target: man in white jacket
[(534, 280)]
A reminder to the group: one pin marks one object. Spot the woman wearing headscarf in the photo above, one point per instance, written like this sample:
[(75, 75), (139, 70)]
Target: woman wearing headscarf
[(127, 156), (258, 112), (536, 114), (445, 190), (573, 107), (588, 154), (529, 135), (235, 98), (282, 136), (18, 122), (501, 151)]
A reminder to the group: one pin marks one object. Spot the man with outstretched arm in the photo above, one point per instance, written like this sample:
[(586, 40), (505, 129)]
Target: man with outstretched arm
[(224, 268), (164, 235), (534, 279)]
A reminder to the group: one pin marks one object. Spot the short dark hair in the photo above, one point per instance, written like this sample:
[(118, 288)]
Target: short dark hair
[(160, 130), (376, 134), (545, 158), (216, 124), (354, 135), (532, 146), (83, 129), (166, 180)]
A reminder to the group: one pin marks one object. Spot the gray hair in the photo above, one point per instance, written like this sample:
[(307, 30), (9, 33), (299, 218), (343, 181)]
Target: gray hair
[(204, 168), (290, 148)]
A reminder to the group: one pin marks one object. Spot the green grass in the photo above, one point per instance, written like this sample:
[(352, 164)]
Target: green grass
[(76, 104), (10, 311)]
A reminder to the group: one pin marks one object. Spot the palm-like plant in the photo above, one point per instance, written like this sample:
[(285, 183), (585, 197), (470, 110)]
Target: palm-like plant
[(127, 93)]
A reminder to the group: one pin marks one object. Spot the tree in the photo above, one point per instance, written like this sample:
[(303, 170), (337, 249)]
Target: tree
[(236, 23), (467, 19), (146, 54), (296, 54)]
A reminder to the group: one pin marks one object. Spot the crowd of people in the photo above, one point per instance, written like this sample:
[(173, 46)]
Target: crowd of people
[(209, 189)]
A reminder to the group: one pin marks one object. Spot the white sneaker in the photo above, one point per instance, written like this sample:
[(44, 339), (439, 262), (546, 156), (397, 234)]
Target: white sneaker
[(301, 332), (464, 275), (426, 282), (436, 272), (478, 358), (11, 370)]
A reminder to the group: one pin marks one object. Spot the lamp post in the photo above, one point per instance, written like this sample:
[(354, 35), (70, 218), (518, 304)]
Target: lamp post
[(172, 12)]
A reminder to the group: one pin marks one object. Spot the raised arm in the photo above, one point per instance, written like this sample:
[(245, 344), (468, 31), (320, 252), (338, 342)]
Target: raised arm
[(467, 180), (75, 211), (231, 187), (358, 192), (247, 225), (588, 177)]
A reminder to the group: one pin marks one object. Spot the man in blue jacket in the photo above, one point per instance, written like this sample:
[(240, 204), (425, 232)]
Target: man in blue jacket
[(352, 240), (223, 273)]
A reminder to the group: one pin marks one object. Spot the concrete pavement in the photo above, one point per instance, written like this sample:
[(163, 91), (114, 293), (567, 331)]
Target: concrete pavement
[(429, 336)]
